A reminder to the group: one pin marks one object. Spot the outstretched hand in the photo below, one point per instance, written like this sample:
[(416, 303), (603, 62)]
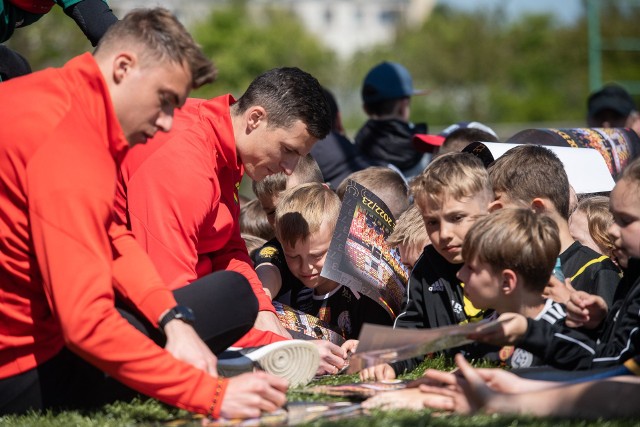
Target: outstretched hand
[(332, 357), (585, 310), (511, 328)]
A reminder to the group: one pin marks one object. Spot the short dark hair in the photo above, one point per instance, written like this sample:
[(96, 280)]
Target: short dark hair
[(529, 171), (515, 239), (288, 94), (160, 36)]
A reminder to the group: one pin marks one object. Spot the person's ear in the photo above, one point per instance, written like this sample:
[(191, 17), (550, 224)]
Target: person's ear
[(255, 116), (539, 206), (495, 205), (123, 63), (509, 281)]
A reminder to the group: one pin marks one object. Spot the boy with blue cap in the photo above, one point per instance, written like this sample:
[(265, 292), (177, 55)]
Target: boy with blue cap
[(386, 138)]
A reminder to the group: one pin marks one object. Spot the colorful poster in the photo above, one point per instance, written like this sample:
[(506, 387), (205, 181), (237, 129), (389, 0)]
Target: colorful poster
[(305, 326), (359, 256)]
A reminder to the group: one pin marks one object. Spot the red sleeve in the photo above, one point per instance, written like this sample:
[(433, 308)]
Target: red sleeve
[(70, 186), (135, 278), (169, 198)]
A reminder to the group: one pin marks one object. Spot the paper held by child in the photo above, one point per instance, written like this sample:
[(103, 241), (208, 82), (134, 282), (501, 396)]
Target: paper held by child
[(383, 344), (359, 256)]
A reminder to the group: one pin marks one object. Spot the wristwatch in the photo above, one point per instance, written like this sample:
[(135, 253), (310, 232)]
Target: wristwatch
[(180, 312)]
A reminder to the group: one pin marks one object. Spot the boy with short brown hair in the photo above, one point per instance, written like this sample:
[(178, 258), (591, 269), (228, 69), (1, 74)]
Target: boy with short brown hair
[(532, 176), (509, 256)]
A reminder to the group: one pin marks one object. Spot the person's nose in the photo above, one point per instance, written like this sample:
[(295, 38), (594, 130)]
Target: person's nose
[(164, 121), (289, 163)]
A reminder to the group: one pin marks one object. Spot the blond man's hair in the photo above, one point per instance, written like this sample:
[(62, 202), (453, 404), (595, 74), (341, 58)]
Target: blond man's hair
[(517, 239), (599, 219), (303, 209), (159, 36), (409, 229), (456, 175)]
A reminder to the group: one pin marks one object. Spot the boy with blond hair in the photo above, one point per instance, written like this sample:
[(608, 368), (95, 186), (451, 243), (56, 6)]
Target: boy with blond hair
[(451, 194), (509, 256), (305, 220), (409, 236)]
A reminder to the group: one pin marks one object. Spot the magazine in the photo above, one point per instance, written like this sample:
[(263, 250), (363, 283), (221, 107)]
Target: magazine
[(383, 344), (362, 390), (359, 256), (305, 326), (294, 414)]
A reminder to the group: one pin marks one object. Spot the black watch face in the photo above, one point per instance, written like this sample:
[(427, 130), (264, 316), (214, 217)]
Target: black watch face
[(185, 314)]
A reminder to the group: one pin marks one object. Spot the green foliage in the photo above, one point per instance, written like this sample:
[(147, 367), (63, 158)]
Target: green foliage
[(51, 41), (244, 44)]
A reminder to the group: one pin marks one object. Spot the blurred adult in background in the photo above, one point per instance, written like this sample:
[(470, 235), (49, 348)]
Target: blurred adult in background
[(612, 107)]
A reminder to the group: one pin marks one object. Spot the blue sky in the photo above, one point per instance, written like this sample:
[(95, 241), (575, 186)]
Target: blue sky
[(563, 10)]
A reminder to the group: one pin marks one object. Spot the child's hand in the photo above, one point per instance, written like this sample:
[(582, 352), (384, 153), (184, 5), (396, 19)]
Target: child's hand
[(378, 373), (350, 346), (558, 291), (332, 357), (511, 328), (586, 310)]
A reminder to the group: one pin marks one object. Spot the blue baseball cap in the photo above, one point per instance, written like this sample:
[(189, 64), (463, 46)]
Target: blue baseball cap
[(387, 80)]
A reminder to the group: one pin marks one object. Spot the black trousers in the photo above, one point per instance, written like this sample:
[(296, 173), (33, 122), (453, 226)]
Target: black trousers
[(225, 308)]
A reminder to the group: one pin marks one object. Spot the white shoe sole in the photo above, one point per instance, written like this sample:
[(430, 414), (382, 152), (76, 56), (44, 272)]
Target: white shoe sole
[(295, 360)]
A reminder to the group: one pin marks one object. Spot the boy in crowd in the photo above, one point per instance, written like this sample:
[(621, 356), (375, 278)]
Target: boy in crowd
[(269, 189), (270, 264), (533, 176), (305, 220), (508, 259), (385, 183), (565, 348), (410, 237), (452, 193)]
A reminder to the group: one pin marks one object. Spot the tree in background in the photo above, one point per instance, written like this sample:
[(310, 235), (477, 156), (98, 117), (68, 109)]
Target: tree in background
[(481, 66), (476, 65), (245, 42)]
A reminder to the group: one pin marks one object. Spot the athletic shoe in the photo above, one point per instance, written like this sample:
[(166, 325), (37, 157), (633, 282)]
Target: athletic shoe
[(295, 360)]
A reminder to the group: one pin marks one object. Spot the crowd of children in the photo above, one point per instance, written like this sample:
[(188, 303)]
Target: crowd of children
[(184, 266)]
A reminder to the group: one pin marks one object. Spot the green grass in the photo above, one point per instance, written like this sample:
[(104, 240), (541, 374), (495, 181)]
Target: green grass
[(148, 412)]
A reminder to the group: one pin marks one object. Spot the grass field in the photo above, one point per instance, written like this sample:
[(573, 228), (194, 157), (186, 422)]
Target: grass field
[(152, 413)]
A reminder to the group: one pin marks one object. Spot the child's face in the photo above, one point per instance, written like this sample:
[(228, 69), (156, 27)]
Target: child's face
[(481, 284), (579, 229), (447, 224), (269, 204), (625, 207), (306, 258)]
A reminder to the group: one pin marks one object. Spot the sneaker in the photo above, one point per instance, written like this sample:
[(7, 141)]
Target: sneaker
[(295, 360)]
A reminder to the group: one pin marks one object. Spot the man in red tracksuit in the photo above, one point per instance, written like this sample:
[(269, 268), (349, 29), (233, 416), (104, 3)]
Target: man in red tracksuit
[(178, 194), (63, 259)]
